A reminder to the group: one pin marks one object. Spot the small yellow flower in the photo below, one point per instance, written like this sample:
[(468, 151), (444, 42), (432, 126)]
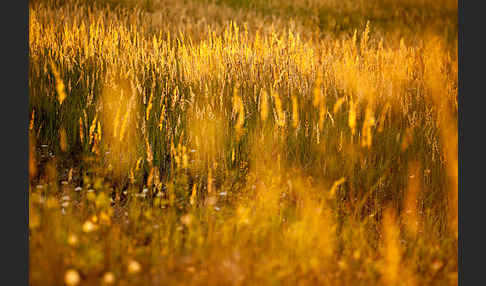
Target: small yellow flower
[(436, 265), (134, 267), (88, 226), (72, 277), (109, 278), (72, 240)]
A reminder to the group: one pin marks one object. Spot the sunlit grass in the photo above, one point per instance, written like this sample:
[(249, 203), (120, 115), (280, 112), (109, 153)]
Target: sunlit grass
[(237, 150)]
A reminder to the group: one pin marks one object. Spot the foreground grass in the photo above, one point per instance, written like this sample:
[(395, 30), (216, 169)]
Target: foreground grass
[(205, 145)]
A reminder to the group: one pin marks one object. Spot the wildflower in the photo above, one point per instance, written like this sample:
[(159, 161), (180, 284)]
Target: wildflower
[(109, 278), (72, 240), (134, 267), (436, 265), (88, 226), (71, 278)]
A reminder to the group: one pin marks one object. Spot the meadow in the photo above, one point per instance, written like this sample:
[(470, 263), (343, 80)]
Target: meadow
[(243, 142)]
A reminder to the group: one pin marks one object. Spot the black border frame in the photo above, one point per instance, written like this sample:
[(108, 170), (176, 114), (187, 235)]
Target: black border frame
[(14, 208), (15, 118)]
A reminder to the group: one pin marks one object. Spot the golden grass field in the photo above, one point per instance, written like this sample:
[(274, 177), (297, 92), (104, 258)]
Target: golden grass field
[(243, 142)]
